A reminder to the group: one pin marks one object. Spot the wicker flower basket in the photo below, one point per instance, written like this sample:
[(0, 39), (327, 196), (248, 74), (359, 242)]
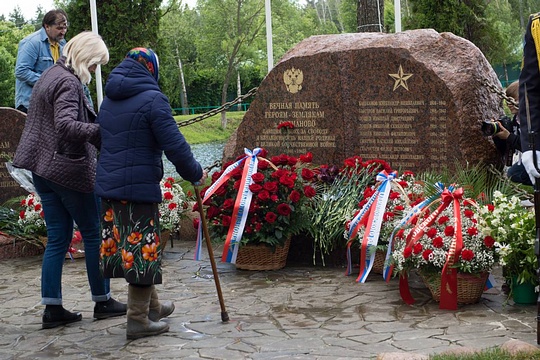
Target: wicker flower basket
[(378, 263), (261, 257), (470, 286)]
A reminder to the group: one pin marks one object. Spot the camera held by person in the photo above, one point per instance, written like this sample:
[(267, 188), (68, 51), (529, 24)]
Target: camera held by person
[(490, 128)]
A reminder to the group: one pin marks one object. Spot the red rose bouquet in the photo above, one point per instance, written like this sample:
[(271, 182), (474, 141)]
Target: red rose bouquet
[(280, 191)]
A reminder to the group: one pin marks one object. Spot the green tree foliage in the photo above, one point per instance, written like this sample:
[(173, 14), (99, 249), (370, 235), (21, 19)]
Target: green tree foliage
[(230, 29), (17, 17), (466, 19), (123, 25), (10, 35)]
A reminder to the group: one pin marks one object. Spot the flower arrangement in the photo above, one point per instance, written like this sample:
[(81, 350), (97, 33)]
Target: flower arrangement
[(31, 216), (430, 252), (513, 228), (405, 193), (339, 190), (173, 206), (280, 191)]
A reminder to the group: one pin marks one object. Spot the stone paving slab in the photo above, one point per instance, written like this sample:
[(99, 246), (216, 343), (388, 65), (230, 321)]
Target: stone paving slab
[(293, 313)]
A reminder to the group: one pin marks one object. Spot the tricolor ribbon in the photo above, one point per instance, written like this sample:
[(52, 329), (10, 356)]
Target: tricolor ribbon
[(407, 218), (373, 211), (241, 205)]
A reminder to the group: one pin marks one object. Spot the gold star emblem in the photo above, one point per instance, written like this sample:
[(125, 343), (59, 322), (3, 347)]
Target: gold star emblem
[(400, 79)]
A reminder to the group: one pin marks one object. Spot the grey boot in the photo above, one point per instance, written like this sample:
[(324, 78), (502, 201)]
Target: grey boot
[(159, 310), (138, 324)]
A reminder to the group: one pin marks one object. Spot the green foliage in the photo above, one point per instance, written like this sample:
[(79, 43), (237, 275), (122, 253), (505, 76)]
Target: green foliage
[(10, 35), (479, 181), (332, 206), (123, 25), (210, 129), (489, 354)]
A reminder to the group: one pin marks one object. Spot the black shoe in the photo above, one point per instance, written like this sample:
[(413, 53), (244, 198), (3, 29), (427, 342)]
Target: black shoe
[(58, 316), (109, 308)]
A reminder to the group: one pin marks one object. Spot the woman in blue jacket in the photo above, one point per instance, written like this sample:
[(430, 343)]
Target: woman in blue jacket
[(137, 126)]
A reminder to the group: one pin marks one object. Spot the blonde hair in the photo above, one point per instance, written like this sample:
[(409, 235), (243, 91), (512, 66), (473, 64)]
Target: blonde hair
[(83, 51)]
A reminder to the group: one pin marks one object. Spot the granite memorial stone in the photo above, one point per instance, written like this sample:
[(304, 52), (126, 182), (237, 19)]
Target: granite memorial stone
[(414, 99), (11, 127)]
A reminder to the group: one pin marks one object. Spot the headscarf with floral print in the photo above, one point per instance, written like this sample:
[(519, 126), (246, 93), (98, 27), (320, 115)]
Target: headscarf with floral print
[(148, 58)]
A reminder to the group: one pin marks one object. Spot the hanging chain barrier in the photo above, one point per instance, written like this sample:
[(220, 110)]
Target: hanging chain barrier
[(215, 111), (498, 90)]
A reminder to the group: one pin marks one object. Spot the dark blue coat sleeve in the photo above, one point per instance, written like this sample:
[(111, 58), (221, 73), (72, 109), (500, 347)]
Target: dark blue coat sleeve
[(172, 142)]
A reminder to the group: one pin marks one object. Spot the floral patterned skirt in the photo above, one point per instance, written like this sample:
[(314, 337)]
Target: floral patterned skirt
[(130, 241)]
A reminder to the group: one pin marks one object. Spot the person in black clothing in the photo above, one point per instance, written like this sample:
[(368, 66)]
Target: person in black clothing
[(529, 97), (516, 172)]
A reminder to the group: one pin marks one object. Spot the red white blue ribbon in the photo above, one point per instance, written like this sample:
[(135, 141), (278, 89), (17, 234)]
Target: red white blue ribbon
[(374, 210), (241, 205)]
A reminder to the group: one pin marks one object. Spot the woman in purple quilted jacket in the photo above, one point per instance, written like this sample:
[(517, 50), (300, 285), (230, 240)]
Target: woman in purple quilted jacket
[(137, 127), (59, 146)]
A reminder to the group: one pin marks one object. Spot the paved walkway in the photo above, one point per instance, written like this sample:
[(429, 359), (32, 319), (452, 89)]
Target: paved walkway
[(293, 313)]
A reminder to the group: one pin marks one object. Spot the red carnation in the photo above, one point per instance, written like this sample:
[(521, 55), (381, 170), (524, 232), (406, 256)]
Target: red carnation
[(431, 233), (468, 213), (22, 214), (491, 207), (467, 254), (449, 231), (168, 195), (472, 231), (387, 216), (489, 241), (37, 207), (167, 185), (400, 234), (306, 158), (393, 195), (407, 252), (438, 242), (443, 220), (417, 248), (172, 206), (426, 254)]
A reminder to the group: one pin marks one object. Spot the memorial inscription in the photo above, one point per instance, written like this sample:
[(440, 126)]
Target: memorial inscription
[(414, 99)]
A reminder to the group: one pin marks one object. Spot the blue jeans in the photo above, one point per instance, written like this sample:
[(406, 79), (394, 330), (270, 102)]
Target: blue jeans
[(517, 173), (61, 207)]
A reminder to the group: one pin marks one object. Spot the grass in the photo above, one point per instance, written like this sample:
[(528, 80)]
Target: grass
[(489, 354), (209, 130)]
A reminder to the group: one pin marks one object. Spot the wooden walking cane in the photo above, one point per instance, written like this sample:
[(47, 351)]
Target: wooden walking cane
[(531, 135), (224, 315)]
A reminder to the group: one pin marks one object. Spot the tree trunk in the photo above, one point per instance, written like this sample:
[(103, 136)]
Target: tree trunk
[(370, 15), (183, 91), (238, 91)]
